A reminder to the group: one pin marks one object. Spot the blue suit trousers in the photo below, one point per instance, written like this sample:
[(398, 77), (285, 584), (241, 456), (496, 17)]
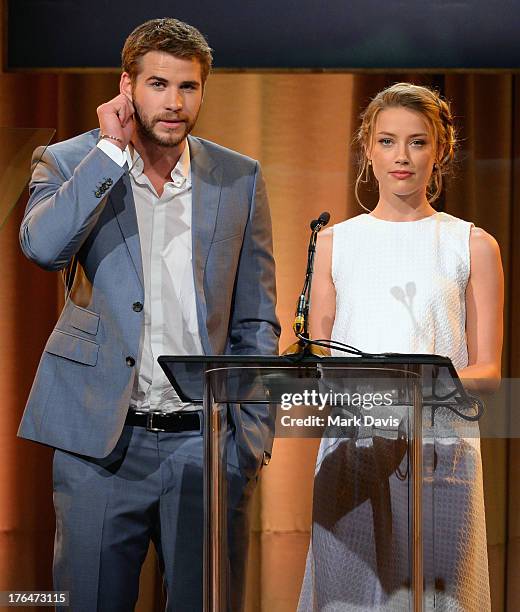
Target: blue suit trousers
[(149, 488)]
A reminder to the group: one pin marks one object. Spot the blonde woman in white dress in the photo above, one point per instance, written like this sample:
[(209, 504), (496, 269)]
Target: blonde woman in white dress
[(405, 278)]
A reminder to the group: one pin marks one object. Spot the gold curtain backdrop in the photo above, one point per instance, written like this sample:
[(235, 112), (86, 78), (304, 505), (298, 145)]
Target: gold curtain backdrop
[(300, 127)]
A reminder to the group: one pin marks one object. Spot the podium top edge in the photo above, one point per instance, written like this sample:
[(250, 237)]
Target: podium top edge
[(272, 360)]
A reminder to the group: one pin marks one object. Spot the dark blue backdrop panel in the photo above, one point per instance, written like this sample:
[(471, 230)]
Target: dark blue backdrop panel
[(277, 33)]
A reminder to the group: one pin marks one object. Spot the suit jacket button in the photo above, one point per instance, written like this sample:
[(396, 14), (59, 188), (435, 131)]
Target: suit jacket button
[(137, 306), (130, 362)]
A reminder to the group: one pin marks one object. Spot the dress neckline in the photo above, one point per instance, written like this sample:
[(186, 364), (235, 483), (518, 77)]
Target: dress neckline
[(378, 220)]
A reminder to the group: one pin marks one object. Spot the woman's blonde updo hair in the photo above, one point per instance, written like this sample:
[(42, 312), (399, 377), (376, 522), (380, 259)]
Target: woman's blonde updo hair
[(437, 113)]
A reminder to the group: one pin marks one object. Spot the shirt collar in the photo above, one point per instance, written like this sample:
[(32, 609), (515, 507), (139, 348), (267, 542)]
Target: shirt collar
[(183, 166), (180, 174)]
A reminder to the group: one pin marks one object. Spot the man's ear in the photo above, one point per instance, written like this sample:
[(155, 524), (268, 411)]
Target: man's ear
[(125, 85)]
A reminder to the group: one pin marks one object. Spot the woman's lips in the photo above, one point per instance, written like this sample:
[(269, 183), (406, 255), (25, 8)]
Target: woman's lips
[(401, 174)]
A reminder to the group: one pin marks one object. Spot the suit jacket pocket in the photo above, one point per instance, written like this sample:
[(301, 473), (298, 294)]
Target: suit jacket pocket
[(72, 347), (84, 319), (219, 238)]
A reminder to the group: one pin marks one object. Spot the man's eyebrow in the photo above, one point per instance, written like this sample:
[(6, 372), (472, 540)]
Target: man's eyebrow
[(157, 78), (194, 84)]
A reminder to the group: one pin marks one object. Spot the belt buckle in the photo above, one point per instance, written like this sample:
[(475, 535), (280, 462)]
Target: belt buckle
[(149, 423)]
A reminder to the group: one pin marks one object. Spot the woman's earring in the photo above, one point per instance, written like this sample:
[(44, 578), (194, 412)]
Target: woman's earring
[(367, 170)]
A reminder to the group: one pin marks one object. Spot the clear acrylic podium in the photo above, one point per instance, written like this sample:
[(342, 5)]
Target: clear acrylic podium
[(16, 149), (413, 399)]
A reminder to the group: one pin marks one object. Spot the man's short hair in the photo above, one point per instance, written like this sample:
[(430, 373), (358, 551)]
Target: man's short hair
[(170, 36)]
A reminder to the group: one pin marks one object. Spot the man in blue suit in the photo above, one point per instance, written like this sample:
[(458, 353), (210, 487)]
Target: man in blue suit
[(165, 245)]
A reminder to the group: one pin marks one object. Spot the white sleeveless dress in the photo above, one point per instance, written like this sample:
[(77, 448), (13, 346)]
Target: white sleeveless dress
[(400, 287)]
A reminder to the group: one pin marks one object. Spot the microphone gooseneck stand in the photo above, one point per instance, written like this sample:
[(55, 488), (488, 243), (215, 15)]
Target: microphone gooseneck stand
[(304, 347)]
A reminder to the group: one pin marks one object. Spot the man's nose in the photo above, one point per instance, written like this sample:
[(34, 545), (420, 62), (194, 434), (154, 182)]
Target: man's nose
[(174, 101)]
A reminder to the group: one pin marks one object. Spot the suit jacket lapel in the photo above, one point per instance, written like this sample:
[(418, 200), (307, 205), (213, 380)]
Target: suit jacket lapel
[(206, 181), (122, 201)]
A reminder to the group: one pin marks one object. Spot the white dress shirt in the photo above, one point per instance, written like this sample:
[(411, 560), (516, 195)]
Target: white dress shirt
[(170, 314)]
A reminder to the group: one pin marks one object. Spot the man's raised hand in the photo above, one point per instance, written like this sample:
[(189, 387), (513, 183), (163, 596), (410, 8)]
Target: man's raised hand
[(116, 119)]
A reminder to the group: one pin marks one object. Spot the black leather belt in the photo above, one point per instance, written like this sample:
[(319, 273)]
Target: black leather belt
[(171, 422)]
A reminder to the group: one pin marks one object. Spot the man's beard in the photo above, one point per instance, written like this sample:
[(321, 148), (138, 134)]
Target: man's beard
[(145, 128)]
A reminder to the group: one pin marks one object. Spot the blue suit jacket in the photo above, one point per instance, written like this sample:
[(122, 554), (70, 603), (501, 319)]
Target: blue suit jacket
[(80, 396)]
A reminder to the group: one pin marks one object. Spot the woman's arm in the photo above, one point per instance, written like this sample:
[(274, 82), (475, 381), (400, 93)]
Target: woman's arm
[(323, 293), (484, 312)]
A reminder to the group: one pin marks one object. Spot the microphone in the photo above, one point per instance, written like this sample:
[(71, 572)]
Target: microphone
[(300, 325), (302, 308), (320, 222)]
